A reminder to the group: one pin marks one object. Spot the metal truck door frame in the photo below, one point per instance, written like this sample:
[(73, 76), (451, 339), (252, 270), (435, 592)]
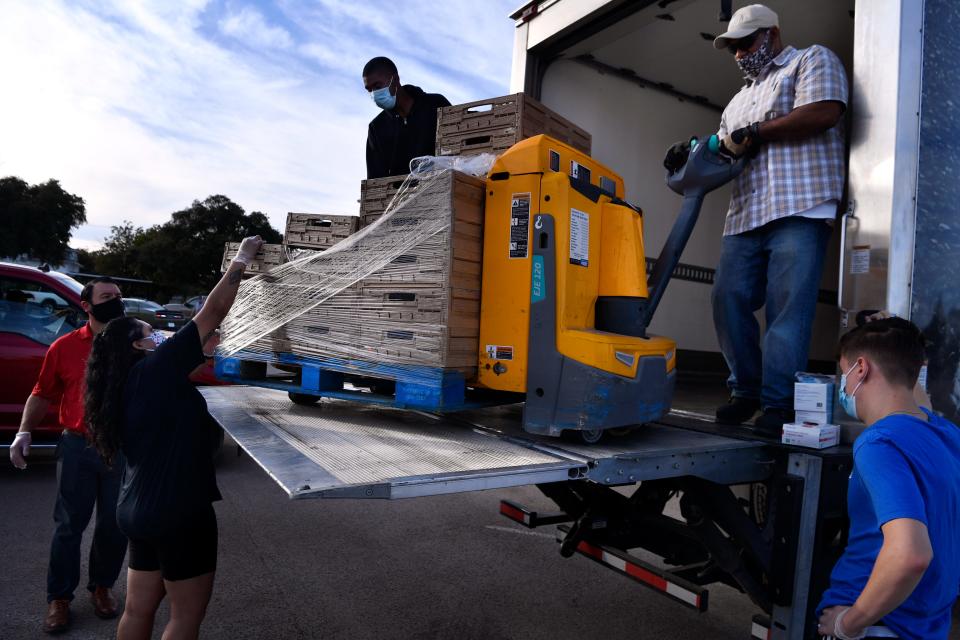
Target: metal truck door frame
[(878, 228), (558, 25)]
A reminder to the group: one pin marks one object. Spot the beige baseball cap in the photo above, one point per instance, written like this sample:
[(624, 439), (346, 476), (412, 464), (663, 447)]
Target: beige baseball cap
[(745, 21)]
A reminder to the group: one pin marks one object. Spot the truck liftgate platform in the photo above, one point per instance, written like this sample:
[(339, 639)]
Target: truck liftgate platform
[(779, 551)]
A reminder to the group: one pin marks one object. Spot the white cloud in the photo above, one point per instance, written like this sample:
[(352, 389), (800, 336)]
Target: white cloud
[(142, 107), (460, 49), (88, 245), (249, 25)]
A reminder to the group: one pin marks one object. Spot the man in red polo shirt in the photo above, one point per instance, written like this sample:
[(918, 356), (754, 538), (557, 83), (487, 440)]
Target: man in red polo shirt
[(83, 481)]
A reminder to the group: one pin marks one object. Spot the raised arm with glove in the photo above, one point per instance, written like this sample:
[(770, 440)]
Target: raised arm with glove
[(221, 298)]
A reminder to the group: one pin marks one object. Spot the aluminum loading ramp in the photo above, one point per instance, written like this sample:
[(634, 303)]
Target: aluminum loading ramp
[(340, 449)]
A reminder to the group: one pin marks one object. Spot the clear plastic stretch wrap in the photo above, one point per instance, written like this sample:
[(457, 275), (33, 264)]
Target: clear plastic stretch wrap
[(398, 298)]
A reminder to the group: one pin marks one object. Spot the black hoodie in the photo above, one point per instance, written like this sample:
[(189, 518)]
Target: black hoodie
[(392, 140)]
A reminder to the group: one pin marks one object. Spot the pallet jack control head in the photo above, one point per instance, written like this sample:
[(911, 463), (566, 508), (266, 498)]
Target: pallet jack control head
[(706, 168)]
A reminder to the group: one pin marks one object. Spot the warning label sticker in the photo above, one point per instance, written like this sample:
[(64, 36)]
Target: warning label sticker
[(860, 260), (579, 172), (519, 225), (499, 352), (579, 237)]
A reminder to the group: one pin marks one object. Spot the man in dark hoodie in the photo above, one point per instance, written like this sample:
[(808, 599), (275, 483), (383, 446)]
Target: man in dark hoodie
[(407, 127)]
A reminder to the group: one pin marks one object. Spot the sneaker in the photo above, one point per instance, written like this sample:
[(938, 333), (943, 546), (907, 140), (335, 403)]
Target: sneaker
[(737, 410), (772, 421)]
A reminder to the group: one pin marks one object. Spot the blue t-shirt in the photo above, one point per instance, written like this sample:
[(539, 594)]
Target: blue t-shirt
[(904, 467)]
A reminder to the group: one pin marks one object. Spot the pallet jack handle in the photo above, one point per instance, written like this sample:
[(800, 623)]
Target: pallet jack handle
[(706, 169)]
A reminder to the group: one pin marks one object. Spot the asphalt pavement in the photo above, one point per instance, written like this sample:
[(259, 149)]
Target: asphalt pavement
[(441, 567)]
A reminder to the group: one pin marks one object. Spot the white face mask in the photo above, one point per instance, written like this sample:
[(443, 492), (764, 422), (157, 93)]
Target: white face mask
[(157, 338)]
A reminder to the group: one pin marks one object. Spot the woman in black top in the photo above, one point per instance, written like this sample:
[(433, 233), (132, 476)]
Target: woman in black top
[(139, 401)]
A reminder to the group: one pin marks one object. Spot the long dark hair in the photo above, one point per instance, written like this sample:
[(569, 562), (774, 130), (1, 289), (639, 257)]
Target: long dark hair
[(109, 364)]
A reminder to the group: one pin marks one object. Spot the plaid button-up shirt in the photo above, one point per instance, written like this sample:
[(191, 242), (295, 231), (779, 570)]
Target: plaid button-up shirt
[(787, 177)]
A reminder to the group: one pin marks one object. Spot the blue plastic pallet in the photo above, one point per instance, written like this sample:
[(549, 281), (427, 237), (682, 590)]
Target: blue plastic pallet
[(420, 388)]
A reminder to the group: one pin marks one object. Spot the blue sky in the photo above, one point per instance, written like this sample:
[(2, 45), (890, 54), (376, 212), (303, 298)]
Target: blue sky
[(140, 107)]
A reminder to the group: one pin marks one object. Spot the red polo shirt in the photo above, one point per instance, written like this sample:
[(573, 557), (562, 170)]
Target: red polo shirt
[(62, 376)]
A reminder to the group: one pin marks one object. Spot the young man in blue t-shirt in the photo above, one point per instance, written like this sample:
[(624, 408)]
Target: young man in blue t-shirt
[(900, 571)]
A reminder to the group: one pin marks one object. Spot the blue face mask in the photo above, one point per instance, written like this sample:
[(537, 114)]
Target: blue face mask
[(383, 98), (848, 401)]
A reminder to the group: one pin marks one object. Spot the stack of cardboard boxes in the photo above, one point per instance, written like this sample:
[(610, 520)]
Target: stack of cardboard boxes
[(493, 126), (423, 307), (813, 402)]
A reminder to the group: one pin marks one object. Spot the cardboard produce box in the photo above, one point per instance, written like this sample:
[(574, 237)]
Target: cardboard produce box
[(317, 231), (495, 125), (376, 195), (269, 256)]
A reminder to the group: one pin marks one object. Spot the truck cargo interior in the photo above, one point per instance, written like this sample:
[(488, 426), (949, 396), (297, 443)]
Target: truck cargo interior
[(644, 75)]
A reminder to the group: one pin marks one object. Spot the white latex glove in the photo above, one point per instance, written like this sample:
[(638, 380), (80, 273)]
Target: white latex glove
[(831, 625), (20, 449), (841, 634), (248, 250)]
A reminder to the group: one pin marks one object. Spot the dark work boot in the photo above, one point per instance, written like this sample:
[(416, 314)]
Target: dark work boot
[(104, 604), (737, 410), (58, 616), (771, 422)]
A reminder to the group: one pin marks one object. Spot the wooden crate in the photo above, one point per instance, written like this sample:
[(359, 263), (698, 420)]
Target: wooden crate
[(269, 256), (422, 309), (377, 193), (495, 125), (317, 231)]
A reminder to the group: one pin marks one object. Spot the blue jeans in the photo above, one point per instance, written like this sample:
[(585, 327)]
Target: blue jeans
[(777, 265), (83, 481)]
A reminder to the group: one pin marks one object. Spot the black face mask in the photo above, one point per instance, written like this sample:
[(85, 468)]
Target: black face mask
[(107, 311)]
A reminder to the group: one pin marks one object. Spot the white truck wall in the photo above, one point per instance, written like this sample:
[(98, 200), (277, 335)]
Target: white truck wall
[(632, 128)]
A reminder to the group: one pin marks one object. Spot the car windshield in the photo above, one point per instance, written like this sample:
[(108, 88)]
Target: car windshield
[(67, 281), (147, 305)]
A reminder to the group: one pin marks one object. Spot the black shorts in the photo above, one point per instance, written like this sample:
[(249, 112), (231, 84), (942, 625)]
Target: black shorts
[(188, 552)]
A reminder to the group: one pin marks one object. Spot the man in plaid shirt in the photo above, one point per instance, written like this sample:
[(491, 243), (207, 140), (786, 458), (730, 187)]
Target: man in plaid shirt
[(787, 120)]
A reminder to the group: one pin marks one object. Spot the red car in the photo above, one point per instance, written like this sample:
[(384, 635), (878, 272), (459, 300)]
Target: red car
[(27, 328)]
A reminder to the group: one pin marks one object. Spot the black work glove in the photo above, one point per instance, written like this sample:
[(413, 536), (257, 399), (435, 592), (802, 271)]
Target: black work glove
[(677, 156), (744, 141)]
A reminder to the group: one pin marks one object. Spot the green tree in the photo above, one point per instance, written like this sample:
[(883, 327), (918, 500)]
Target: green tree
[(37, 220), (87, 260), (120, 253), (183, 255)]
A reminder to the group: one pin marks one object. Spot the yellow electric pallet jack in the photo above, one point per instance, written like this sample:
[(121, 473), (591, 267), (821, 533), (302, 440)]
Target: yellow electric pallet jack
[(566, 302)]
